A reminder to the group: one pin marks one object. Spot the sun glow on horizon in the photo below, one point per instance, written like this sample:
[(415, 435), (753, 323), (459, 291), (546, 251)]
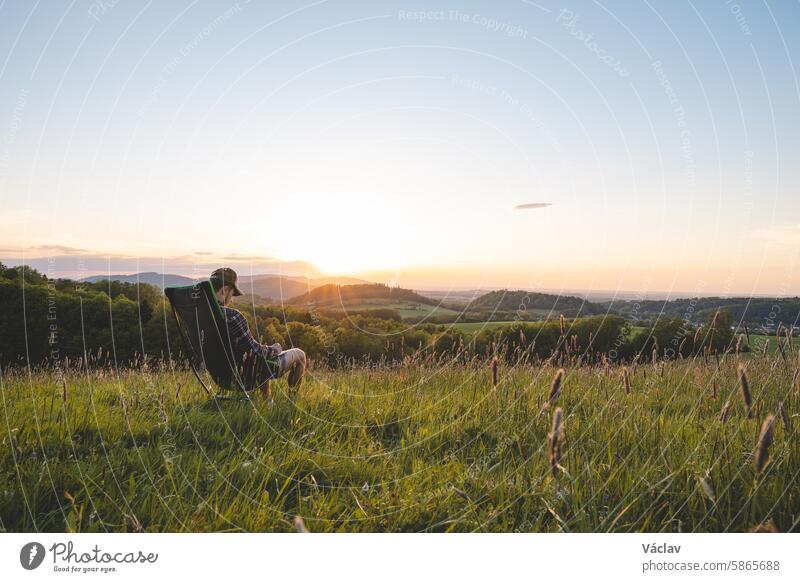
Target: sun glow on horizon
[(346, 254)]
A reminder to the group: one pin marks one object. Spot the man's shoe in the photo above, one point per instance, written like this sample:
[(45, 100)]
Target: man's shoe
[(298, 371), (293, 363)]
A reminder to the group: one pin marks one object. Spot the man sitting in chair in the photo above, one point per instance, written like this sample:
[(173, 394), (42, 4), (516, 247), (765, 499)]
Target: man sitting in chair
[(291, 362)]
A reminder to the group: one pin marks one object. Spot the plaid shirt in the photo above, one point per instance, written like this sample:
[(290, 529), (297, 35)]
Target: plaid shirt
[(240, 336)]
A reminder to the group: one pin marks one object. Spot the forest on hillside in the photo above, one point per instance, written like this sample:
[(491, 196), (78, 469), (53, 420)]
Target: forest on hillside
[(50, 321), (760, 314), (333, 295)]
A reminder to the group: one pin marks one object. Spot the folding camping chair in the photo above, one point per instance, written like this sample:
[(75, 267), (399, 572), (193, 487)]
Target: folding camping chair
[(204, 333)]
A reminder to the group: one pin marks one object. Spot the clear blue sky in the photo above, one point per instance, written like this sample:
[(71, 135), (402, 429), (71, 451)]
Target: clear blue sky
[(370, 137)]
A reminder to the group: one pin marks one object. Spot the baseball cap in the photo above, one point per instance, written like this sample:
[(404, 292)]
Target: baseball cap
[(226, 276)]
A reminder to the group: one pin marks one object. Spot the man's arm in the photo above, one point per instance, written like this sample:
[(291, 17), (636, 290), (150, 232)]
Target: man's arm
[(240, 332)]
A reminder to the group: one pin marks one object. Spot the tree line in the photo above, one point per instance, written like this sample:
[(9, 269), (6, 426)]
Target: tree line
[(53, 321)]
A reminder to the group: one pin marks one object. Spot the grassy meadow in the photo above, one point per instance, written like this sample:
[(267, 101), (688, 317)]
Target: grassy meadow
[(429, 446)]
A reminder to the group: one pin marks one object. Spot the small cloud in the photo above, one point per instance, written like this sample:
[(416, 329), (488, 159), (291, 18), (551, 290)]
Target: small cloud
[(784, 234), (41, 250), (62, 249), (532, 205)]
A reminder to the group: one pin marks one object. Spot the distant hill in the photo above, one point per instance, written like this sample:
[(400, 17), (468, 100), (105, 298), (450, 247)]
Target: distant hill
[(258, 288), (279, 288), (455, 296), (759, 313), (506, 304), (333, 295), (156, 279)]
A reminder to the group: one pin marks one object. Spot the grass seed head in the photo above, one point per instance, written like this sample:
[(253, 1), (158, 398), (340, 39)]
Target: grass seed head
[(744, 384), (555, 386), (707, 489), (761, 457), (723, 415), (787, 422), (765, 527), (299, 525), (554, 441)]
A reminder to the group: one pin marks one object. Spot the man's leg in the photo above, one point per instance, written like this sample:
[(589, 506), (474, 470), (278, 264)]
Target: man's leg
[(266, 390), (292, 362)]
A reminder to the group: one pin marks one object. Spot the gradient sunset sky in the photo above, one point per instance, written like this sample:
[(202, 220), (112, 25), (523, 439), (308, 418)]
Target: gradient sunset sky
[(373, 138)]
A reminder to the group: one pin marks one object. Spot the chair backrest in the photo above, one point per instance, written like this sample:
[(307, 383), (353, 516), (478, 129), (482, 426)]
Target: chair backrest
[(205, 331), (203, 328)]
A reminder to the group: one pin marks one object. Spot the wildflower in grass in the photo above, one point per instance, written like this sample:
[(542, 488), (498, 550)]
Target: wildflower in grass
[(744, 383), (626, 380), (63, 388), (494, 366), (761, 457)]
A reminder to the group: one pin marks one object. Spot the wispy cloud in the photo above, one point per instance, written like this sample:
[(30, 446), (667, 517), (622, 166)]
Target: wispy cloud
[(72, 262), (40, 251), (781, 235), (532, 205)]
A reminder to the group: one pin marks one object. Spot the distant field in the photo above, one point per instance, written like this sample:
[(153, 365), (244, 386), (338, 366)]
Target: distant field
[(480, 326), (757, 343), (418, 448), (407, 309)]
